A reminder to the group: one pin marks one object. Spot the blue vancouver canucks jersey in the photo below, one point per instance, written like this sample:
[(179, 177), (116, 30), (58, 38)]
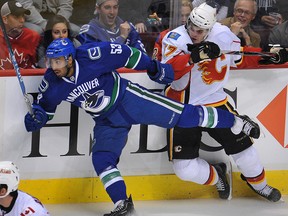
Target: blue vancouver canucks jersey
[(95, 85), (95, 31)]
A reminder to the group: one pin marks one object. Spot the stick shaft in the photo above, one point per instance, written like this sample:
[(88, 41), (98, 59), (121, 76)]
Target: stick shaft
[(263, 54)]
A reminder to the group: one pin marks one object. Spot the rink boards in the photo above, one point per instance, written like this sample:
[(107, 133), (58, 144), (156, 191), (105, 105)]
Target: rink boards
[(55, 163)]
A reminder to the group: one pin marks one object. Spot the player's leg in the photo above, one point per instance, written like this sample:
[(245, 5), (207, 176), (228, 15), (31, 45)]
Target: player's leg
[(184, 144), (106, 151), (246, 158), (253, 173), (140, 106)]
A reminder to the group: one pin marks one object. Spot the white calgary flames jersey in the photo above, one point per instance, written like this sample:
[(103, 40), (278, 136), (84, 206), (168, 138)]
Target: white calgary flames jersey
[(26, 205), (207, 78)]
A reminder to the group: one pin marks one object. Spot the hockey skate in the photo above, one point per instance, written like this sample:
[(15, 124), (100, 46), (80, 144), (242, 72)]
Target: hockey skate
[(268, 192), (225, 177), (250, 128), (124, 208)]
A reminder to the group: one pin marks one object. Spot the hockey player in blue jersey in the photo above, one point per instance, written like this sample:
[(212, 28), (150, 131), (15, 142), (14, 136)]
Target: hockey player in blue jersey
[(86, 77)]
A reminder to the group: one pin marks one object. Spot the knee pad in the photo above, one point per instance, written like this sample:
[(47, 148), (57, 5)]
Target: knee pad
[(185, 169), (103, 161), (196, 170), (248, 162)]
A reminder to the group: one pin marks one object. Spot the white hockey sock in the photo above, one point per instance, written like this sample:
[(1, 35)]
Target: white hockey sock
[(250, 166)]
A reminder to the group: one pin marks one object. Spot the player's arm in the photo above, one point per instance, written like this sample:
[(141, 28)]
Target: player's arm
[(37, 120), (158, 72), (43, 110), (113, 56)]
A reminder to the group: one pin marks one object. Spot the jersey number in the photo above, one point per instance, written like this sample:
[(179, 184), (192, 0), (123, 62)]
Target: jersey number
[(116, 49)]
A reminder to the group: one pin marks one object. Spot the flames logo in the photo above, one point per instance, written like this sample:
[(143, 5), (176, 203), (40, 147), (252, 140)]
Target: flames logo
[(214, 70)]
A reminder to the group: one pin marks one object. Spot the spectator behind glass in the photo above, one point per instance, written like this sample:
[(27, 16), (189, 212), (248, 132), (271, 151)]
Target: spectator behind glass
[(186, 8), (268, 14), (24, 41), (221, 6), (14, 202), (159, 15), (82, 11), (135, 12), (267, 17), (42, 10), (57, 27), (108, 26), (239, 24), (278, 35)]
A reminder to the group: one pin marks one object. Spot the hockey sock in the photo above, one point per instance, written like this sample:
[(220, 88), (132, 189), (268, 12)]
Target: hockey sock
[(250, 166), (213, 177), (114, 184), (209, 117), (258, 182)]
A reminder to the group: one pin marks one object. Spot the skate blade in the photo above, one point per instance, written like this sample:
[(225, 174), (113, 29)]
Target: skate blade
[(229, 177)]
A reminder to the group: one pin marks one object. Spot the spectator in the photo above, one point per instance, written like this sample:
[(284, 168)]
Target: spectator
[(82, 11), (108, 26), (159, 15), (57, 27), (239, 24), (186, 8), (13, 201), (24, 41), (135, 12), (267, 14), (221, 6), (266, 18), (283, 5), (278, 35), (42, 10)]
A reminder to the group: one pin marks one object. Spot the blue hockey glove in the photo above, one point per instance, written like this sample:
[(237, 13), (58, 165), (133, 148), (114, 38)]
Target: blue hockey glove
[(161, 73), (37, 120)]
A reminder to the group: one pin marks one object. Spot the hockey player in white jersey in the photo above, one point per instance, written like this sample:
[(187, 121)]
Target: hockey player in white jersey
[(14, 202), (201, 72)]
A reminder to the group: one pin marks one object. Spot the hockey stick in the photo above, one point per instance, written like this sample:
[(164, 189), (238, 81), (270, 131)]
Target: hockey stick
[(16, 67), (245, 53)]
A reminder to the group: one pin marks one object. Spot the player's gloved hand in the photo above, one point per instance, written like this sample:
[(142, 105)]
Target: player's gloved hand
[(37, 120), (280, 57), (203, 51), (161, 73)]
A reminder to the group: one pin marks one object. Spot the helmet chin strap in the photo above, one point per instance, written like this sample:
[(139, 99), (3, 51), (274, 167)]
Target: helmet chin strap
[(209, 30)]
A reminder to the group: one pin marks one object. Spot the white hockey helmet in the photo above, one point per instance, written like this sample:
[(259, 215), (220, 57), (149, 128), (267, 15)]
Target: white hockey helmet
[(9, 175), (203, 16)]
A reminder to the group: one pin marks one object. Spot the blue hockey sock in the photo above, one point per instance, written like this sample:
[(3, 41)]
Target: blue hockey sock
[(114, 184), (209, 117)]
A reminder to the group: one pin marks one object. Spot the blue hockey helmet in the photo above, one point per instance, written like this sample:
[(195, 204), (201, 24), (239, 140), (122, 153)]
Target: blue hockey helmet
[(61, 47)]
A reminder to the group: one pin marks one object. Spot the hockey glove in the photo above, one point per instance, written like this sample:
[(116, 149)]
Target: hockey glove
[(203, 51), (280, 57), (37, 120), (161, 73)]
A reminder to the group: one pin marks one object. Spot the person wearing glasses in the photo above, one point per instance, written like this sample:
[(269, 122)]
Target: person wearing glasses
[(239, 24)]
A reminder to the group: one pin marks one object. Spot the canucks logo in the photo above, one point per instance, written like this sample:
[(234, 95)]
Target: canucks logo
[(95, 102)]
